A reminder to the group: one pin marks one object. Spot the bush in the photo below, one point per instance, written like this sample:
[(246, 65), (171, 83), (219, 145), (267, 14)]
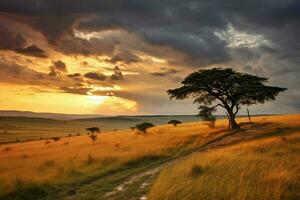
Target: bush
[(55, 138), (7, 149), (197, 170)]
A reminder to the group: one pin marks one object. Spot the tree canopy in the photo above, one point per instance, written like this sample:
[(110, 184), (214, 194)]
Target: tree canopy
[(93, 130), (174, 122), (226, 88), (144, 126)]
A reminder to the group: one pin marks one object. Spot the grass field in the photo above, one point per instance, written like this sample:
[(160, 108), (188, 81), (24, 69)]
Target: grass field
[(23, 165), (24, 128), (226, 166), (264, 168)]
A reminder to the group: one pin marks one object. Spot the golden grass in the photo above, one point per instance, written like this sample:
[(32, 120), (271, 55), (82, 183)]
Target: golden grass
[(72, 157), (259, 169), (49, 161)]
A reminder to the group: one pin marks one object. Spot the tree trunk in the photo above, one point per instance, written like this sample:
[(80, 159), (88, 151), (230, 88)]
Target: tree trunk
[(233, 124), (229, 124)]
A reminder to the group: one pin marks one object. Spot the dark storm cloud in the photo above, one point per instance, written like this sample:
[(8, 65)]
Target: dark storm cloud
[(32, 50), (187, 26), (10, 40), (95, 76)]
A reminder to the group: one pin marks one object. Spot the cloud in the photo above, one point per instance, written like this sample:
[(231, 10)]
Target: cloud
[(124, 57), (140, 36), (75, 90), (58, 68), (117, 75), (164, 72), (10, 40), (32, 50), (95, 76)]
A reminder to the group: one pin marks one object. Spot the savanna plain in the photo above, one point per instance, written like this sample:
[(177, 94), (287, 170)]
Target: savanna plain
[(189, 161)]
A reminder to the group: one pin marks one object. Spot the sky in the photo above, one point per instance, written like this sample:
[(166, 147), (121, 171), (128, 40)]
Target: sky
[(120, 57)]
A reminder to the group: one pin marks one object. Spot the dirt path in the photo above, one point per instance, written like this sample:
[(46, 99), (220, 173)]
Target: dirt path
[(142, 182)]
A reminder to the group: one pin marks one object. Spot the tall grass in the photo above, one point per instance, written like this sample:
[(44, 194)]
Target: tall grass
[(261, 169), (56, 162)]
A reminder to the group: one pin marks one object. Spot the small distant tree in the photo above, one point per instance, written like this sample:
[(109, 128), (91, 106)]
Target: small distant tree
[(225, 88), (206, 114), (132, 128), (93, 130), (174, 122), (144, 126)]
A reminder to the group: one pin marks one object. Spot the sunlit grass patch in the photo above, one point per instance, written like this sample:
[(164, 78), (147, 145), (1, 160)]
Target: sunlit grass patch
[(260, 169)]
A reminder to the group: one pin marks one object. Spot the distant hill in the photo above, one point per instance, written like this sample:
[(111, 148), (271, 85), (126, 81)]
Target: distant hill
[(58, 116)]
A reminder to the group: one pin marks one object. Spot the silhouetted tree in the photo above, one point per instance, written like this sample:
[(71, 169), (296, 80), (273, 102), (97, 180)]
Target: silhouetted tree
[(144, 126), (205, 113), (93, 130), (227, 88), (174, 122)]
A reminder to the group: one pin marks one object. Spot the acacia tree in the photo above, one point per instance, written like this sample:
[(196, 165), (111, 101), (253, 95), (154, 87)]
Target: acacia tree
[(144, 126), (226, 88), (93, 130)]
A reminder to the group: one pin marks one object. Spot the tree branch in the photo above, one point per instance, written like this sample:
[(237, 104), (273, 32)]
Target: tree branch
[(237, 109)]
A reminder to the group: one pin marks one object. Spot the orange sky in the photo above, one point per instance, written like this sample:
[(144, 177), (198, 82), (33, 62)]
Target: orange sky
[(112, 57)]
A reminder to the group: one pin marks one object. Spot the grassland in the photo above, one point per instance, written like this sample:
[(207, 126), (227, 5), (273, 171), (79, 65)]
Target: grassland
[(266, 167), (74, 159), (29, 128), (259, 162)]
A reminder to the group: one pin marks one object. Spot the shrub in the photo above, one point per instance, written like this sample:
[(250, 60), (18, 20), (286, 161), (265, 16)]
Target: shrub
[(70, 135), (55, 138), (47, 142), (49, 163), (7, 149), (174, 122), (24, 156), (197, 170)]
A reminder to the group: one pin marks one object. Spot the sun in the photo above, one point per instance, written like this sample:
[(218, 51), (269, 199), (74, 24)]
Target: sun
[(96, 100)]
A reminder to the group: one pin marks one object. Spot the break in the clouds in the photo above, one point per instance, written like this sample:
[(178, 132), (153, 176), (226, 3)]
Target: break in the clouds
[(155, 44)]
